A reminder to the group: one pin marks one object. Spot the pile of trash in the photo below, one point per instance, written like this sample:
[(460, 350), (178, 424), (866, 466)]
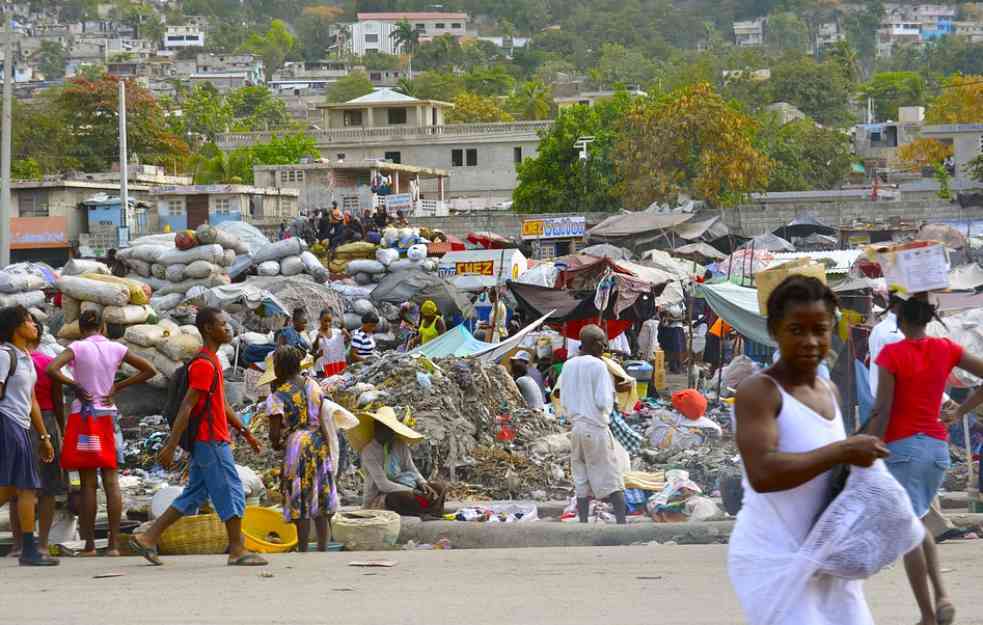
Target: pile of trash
[(167, 346), (24, 284), (87, 285), (478, 431), (289, 257), (173, 264)]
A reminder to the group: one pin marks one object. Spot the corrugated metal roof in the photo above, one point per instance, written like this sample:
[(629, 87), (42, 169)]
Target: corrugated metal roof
[(844, 259)]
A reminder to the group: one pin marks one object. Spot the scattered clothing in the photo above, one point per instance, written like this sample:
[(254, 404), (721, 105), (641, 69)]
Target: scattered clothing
[(625, 434)]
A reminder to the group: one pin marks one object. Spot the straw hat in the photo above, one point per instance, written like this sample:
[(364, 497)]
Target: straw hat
[(364, 432), (270, 373)]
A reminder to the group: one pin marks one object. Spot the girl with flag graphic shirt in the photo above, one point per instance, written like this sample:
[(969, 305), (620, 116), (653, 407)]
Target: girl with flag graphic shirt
[(95, 361)]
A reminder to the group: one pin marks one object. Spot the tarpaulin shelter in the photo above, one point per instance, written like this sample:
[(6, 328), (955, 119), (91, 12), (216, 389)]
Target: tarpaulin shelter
[(488, 240), (606, 250), (419, 286), (770, 243), (738, 306), (460, 343), (702, 253), (648, 230), (570, 311), (803, 226)]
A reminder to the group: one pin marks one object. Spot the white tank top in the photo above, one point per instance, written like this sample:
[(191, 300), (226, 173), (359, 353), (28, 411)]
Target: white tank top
[(800, 429)]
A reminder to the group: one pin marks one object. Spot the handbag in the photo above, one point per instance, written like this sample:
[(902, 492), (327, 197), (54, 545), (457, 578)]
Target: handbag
[(89, 442)]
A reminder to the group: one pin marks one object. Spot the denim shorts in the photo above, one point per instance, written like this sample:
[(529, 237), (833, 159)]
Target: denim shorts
[(919, 464), (212, 476)]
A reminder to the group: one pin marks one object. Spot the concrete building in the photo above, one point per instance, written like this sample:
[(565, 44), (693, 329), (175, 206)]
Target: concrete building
[(384, 108), (751, 33), (828, 35), (877, 144), (966, 141), (248, 64), (179, 37), (188, 206), (360, 185), (590, 98)]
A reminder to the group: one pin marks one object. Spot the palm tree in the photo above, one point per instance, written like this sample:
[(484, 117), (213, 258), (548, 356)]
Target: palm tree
[(407, 38), (406, 87), (531, 100)]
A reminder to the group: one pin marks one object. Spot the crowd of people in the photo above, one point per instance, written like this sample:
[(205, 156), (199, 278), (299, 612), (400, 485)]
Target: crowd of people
[(337, 227)]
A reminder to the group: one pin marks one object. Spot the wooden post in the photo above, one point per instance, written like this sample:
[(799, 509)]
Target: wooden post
[(689, 324)]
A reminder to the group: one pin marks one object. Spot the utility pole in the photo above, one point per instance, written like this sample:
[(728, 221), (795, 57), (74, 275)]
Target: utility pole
[(5, 138), (124, 173)]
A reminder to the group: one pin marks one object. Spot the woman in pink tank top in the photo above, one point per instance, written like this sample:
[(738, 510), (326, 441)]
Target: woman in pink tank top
[(95, 361)]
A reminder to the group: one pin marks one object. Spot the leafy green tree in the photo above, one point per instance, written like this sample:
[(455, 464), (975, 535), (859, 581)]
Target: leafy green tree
[(846, 57), (285, 150), (213, 166), (205, 112), (479, 52), (820, 90), (354, 85), (25, 169), (273, 47), (891, 90), (690, 141), (314, 35), (557, 179), (531, 100), (806, 157), (471, 108), (618, 65), (974, 168), (379, 61), (440, 53), (51, 59), (960, 102), (787, 32), (861, 30), (406, 38), (433, 85), (256, 108), (489, 81)]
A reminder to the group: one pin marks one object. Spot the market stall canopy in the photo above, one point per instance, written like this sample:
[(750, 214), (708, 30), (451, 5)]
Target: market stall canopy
[(738, 306), (769, 242), (944, 233), (803, 226), (817, 242), (699, 252), (582, 273), (606, 250), (648, 230), (488, 240), (676, 267), (419, 286)]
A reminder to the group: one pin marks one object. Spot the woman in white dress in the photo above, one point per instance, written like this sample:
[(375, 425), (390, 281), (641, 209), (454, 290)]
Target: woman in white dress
[(790, 435)]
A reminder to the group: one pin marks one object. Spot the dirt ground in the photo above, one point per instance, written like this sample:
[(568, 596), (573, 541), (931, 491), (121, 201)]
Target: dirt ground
[(669, 585)]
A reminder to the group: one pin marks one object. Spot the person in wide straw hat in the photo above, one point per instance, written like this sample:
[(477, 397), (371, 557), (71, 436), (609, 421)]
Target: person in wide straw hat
[(392, 481)]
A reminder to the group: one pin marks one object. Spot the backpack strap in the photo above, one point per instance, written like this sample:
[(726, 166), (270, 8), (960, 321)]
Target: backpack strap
[(211, 391), (10, 372)]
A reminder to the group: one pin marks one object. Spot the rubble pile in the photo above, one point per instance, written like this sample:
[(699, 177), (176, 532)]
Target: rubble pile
[(476, 426), (173, 264)]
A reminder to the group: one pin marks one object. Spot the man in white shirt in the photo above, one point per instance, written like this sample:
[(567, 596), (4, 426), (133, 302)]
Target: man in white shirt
[(883, 334), (587, 395)]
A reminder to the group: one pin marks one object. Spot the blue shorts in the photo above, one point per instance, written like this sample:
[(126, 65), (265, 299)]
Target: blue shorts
[(919, 464), (212, 476)]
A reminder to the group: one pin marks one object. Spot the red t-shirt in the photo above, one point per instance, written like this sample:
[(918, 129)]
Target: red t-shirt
[(920, 368), (42, 388), (201, 374)]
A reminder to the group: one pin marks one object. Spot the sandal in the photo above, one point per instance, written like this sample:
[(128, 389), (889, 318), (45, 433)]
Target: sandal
[(42, 559), (148, 553), (248, 559), (945, 612)]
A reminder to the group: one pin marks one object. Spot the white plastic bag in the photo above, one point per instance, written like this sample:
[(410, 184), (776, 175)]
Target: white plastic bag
[(368, 266), (78, 266), (281, 249), (145, 335), (268, 268), (386, 256), (417, 252), (212, 253), (126, 315), (291, 266)]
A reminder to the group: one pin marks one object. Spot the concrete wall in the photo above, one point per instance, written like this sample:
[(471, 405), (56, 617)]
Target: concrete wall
[(967, 147), (504, 223)]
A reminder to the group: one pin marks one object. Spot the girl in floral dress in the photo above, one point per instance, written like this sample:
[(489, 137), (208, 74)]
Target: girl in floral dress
[(307, 474)]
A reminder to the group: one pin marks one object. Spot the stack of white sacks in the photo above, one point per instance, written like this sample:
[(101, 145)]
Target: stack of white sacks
[(87, 285), (289, 257), (172, 272), (387, 260), (21, 288), (166, 345)]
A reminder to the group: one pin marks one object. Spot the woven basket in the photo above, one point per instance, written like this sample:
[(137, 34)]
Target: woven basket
[(203, 534), (366, 530)]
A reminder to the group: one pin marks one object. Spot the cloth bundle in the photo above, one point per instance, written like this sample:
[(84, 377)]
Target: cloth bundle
[(289, 257), (120, 301), (165, 345), (24, 283)]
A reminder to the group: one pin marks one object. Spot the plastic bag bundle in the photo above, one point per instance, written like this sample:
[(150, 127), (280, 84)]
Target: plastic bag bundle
[(417, 252), (175, 272), (365, 266), (78, 266), (268, 268), (291, 266), (212, 253), (126, 315), (386, 256), (868, 526), (405, 264), (27, 299), (314, 267), (85, 289), (201, 269), (363, 307), (281, 249)]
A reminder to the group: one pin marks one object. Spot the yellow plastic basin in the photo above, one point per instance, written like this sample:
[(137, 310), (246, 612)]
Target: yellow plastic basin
[(265, 531)]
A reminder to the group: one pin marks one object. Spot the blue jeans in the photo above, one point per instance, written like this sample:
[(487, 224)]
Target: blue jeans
[(212, 476), (919, 464)]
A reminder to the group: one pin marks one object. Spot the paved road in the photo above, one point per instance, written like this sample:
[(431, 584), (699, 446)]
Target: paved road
[(665, 585)]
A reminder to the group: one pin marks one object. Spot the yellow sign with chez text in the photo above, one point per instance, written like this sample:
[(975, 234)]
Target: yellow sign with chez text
[(475, 268)]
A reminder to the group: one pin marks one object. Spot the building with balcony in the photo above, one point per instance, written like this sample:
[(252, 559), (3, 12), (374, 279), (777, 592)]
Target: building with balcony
[(360, 185), (590, 98), (179, 37), (428, 24), (750, 34), (382, 108)]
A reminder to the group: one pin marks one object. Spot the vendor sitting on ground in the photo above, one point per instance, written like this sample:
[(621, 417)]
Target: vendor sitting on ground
[(392, 481), (528, 388)]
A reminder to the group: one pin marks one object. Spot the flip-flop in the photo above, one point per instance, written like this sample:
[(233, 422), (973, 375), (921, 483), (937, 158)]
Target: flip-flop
[(945, 613), (248, 559), (148, 553)]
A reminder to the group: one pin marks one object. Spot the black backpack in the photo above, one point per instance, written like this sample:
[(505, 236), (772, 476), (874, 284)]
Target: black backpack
[(176, 392)]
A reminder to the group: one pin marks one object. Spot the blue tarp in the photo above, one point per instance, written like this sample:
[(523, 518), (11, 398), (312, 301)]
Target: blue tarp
[(738, 306), (455, 342)]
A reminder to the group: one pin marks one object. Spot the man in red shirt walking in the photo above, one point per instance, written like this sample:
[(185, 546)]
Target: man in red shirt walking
[(213, 473)]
